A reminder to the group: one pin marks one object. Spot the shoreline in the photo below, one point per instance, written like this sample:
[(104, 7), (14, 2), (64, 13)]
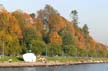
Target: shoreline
[(40, 64)]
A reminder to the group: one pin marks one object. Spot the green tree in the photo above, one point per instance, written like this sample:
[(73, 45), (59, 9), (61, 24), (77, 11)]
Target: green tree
[(68, 44), (86, 37), (29, 35), (49, 17), (32, 15), (38, 47), (67, 37), (92, 53), (81, 52), (50, 20), (54, 49), (85, 29), (70, 50), (74, 15)]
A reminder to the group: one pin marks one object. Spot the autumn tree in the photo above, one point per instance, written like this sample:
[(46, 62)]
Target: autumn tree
[(9, 31), (20, 18), (21, 32), (49, 16), (28, 30), (52, 15), (55, 38)]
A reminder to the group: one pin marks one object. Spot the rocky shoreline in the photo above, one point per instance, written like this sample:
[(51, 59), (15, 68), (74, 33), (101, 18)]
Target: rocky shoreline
[(51, 63)]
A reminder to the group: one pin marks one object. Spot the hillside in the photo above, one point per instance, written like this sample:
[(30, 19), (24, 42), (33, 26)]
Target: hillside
[(21, 32)]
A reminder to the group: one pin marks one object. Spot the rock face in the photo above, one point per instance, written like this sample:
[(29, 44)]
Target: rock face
[(29, 57)]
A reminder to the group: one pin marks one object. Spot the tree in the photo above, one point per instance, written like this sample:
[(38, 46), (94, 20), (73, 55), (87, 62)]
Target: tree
[(91, 52), (46, 12), (49, 17), (9, 34), (67, 42), (29, 35), (50, 20), (54, 49), (86, 37), (50, 10), (67, 37), (55, 38), (85, 29), (32, 15), (70, 50), (74, 15), (82, 52), (20, 19), (38, 47)]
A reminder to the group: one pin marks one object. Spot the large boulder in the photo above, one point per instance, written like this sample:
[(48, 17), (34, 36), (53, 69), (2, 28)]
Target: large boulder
[(29, 57)]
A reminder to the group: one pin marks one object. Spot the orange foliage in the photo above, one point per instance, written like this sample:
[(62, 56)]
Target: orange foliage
[(55, 23), (101, 46), (79, 38), (92, 43), (28, 18), (81, 42), (11, 22), (55, 38), (38, 24)]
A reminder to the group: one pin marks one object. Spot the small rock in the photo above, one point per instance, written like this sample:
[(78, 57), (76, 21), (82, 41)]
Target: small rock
[(10, 60)]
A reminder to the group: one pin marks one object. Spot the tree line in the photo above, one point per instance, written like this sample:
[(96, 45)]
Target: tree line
[(47, 33)]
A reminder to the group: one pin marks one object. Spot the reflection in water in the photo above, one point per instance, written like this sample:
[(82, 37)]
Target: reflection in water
[(81, 67), (29, 69)]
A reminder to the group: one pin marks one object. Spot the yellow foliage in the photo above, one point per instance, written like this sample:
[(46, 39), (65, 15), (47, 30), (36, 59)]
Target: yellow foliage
[(55, 38)]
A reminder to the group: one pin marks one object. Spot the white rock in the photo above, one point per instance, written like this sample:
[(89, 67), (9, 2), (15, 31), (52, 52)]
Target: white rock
[(29, 57)]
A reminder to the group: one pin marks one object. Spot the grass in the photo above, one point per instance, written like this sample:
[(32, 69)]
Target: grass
[(56, 58), (63, 59), (74, 59), (14, 58)]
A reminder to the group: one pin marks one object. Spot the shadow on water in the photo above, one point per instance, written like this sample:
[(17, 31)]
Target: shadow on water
[(81, 67)]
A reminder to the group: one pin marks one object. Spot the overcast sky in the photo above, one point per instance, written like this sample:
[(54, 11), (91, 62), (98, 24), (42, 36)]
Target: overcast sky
[(94, 13)]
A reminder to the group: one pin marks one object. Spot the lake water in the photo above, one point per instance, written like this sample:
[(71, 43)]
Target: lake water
[(81, 67)]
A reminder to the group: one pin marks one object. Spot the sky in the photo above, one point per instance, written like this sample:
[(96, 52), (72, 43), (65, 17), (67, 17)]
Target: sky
[(94, 13)]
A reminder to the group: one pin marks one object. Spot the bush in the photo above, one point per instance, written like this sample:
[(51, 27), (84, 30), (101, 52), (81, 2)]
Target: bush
[(70, 50), (82, 52), (38, 47), (54, 49)]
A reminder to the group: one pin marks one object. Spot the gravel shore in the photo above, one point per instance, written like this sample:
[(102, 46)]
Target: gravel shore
[(51, 63)]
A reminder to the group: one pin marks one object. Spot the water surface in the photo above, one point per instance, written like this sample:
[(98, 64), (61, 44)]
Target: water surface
[(81, 67)]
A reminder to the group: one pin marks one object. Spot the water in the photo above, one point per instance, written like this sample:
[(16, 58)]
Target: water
[(81, 67)]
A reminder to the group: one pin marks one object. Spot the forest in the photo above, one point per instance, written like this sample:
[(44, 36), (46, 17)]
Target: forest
[(47, 33)]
